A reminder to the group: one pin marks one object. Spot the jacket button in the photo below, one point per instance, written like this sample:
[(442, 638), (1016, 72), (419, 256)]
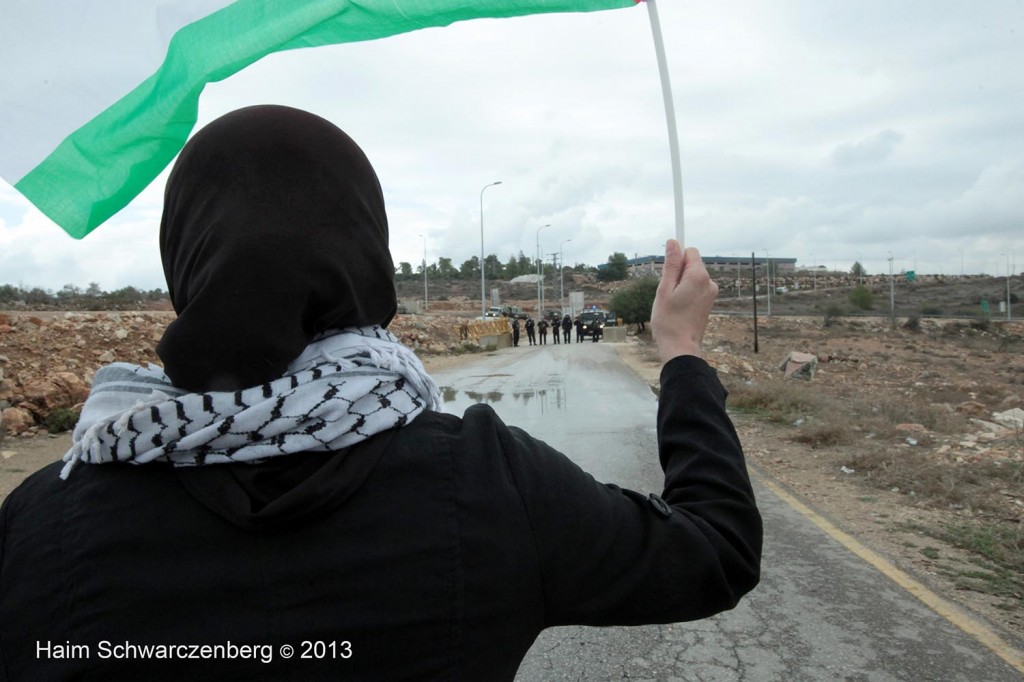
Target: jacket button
[(660, 505)]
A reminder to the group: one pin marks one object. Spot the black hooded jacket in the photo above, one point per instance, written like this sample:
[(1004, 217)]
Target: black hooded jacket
[(442, 560)]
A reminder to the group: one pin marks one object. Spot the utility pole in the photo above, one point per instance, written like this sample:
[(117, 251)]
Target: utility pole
[(753, 278), (540, 275), (1008, 314), (892, 294), (426, 304), (554, 263)]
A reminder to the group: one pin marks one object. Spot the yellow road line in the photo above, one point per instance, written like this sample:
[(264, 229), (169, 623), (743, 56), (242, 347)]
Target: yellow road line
[(953, 614)]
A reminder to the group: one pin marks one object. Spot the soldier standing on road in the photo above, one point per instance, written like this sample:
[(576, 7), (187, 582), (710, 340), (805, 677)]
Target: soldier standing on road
[(555, 336), (579, 329), (530, 335), (543, 326), (515, 332), (567, 329)]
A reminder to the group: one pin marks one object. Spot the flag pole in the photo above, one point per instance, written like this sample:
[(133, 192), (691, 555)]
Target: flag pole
[(670, 115)]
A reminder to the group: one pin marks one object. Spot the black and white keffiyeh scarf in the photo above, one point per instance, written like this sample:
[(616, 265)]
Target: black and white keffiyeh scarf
[(345, 387)]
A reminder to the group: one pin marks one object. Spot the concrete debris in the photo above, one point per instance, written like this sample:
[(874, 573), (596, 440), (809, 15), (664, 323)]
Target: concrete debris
[(799, 366)]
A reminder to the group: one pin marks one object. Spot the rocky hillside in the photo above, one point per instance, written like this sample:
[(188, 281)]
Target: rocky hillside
[(48, 359)]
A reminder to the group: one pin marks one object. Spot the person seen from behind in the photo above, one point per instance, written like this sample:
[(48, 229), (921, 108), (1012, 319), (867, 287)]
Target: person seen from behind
[(288, 476)]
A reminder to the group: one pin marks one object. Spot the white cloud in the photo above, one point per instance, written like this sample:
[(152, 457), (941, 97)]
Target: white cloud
[(866, 151)]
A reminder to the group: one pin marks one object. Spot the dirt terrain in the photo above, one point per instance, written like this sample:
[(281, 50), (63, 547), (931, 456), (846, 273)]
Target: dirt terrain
[(904, 437), (893, 440)]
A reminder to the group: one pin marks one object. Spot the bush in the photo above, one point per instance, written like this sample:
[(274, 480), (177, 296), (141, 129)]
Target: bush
[(60, 420), (913, 323), (832, 315), (862, 298)]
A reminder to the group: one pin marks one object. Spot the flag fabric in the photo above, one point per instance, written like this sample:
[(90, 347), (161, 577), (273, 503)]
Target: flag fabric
[(91, 113)]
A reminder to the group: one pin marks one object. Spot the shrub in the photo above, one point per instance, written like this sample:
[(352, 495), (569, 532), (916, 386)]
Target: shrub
[(832, 315), (862, 298), (913, 323), (60, 420)]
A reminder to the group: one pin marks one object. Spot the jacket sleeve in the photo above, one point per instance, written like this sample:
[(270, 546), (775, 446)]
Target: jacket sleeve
[(613, 556)]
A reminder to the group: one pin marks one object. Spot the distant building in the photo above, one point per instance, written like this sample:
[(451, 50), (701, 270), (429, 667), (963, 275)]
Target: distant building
[(652, 265)]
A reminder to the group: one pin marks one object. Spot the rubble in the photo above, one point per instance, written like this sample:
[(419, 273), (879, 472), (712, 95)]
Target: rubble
[(799, 365)]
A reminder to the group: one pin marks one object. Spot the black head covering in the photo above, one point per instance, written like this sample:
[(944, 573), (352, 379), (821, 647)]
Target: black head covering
[(273, 230)]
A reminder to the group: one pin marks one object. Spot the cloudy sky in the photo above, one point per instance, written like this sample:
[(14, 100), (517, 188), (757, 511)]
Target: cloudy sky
[(823, 131)]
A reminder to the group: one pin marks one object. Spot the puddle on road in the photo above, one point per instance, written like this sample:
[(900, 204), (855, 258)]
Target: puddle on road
[(522, 401)]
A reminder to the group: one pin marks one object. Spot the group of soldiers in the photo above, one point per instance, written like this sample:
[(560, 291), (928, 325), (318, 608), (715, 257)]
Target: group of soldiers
[(561, 330)]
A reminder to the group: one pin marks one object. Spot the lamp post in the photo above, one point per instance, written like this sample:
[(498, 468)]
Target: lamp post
[(1008, 315), (483, 286), (540, 275), (892, 293), (814, 273), (561, 276), (768, 278), (426, 305)]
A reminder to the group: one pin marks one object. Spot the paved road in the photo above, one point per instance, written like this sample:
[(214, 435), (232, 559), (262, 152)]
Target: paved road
[(820, 612)]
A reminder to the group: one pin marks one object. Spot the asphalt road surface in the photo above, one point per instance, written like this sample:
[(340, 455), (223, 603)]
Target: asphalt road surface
[(820, 612)]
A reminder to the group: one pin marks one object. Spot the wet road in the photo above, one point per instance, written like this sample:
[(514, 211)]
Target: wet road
[(820, 612)]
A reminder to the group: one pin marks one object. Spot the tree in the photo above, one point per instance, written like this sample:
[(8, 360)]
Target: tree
[(858, 270), (445, 270), (494, 268), (526, 265), (512, 268), (404, 271), (633, 302), (616, 269), (470, 269), (125, 296), (68, 293)]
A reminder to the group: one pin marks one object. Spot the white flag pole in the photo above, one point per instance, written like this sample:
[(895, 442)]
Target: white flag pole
[(670, 115)]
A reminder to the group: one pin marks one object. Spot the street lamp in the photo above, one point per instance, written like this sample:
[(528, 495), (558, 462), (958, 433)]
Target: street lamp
[(561, 276), (768, 278), (892, 293), (483, 286), (1008, 315), (814, 273), (540, 274), (426, 305)]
